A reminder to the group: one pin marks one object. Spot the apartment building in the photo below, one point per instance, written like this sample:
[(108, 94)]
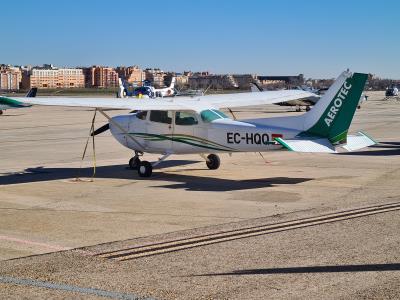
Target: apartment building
[(10, 78), (132, 74), (155, 76), (100, 77), (50, 77)]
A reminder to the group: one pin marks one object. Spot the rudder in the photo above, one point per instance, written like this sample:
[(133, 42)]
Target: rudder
[(338, 111)]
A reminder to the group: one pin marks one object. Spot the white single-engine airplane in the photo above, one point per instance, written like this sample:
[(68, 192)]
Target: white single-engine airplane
[(196, 125), (146, 91)]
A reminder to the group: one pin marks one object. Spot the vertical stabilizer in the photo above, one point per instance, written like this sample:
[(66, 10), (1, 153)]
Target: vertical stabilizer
[(332, 115)]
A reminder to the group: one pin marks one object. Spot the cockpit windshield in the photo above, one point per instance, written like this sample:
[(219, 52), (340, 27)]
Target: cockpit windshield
[(210, 115)]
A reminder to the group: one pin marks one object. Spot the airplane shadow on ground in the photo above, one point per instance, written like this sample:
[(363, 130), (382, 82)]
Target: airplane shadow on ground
[(177, 181), (313, 269), (212, 184), (381, 149)]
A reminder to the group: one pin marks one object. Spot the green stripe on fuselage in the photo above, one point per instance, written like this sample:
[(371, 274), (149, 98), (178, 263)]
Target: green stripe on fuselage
[(185, 139)]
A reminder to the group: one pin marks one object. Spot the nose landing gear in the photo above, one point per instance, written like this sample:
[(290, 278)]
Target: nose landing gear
[(144, 168), (134, 162)]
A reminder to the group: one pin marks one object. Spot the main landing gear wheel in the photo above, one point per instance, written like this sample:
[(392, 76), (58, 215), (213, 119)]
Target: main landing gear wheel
[(1, 112), (213, 162), (145, 169), (134, 163)]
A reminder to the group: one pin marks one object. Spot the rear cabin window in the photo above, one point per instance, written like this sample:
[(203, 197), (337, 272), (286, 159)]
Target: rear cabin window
[(185, 118), (210, 115), (161, 116)]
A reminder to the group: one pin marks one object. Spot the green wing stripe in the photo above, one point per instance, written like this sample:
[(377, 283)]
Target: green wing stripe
[(12, 103), (280, 141)]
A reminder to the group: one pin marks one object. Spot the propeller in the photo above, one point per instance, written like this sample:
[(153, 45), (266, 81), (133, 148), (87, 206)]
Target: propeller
[(101, 129)]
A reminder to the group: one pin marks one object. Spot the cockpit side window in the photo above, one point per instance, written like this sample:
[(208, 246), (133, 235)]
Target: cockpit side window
[(141, 115), (185, 118), (161, 116)]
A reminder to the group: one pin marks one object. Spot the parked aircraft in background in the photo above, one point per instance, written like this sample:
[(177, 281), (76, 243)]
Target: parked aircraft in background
[(307, 102), (147, 91), (10, 104), (196, 125), (392, 91)]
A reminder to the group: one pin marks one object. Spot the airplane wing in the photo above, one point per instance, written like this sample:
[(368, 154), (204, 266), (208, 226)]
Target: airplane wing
[(177, 103), (109, 103), (251, 99)]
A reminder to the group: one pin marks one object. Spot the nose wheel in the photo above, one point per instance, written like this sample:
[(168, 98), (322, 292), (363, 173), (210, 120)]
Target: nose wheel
[(145, 168), (134, 162), (213, 162)]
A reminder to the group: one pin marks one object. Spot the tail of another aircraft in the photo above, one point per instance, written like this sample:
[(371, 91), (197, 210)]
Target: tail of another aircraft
[(32, 93), (121, 90), (255, 88), (172, 85)]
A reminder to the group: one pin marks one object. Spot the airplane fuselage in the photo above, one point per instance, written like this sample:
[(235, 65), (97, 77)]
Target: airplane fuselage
[(194, 134)]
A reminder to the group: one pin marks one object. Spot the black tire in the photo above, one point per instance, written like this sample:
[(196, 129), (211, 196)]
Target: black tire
[(134, 163), (213, 162), (308, 108), (1, 112), (145, 169)]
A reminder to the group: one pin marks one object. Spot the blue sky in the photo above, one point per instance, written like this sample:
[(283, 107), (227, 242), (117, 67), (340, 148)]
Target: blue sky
[(316, 38)]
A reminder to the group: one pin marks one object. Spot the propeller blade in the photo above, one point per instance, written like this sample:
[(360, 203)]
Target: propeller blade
[(101, 129)]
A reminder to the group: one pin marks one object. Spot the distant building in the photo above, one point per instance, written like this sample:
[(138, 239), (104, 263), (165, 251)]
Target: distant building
[(49, 76), (155, 76), (10, 78), (200, 81), (181, 79), (286, 81), (131, 74), (101, 77), (243, 80)]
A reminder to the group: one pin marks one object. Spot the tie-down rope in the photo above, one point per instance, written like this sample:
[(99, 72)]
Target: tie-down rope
[(91, 134)]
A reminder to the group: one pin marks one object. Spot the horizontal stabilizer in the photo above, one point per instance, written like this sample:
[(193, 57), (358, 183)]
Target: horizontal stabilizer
[(356, 142), (322, 145)]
